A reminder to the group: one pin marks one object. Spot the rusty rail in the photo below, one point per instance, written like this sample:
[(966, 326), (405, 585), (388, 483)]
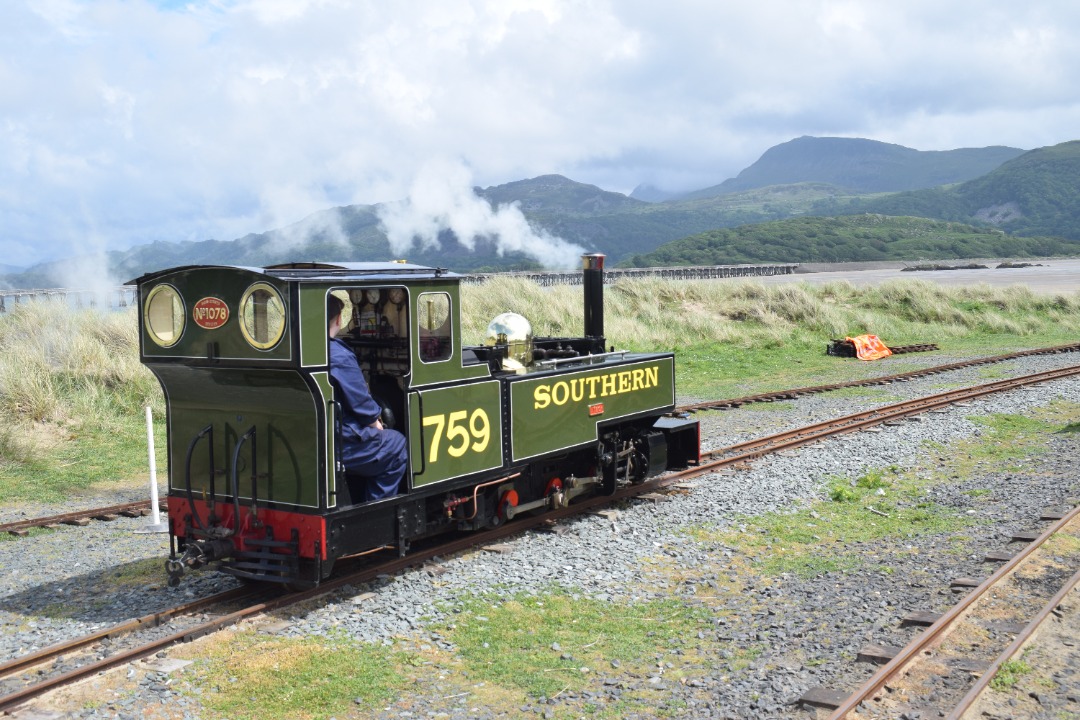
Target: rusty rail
[(932, 634), (743, 452)]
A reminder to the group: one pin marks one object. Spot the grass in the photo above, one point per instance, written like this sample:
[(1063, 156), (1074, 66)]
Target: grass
[(259, 677), (509, 653), (1009, 674), (1007, 441), (815, 540), (888, 504), (72, 389), (72, 393), (743, 337), (542, 646)]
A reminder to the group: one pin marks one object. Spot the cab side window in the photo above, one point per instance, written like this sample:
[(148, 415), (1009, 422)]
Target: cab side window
[(433, 327)]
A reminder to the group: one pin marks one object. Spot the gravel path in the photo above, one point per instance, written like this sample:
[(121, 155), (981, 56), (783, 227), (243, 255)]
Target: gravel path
[(807, 630)]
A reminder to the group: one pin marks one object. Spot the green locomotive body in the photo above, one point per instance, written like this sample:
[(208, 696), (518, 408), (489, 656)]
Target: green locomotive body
[(519, 424)]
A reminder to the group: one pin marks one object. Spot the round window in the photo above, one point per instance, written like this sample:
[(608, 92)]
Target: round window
[(262, 316), (164, 315)]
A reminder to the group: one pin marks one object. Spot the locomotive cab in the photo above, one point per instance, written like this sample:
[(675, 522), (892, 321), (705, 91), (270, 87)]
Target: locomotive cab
[(514, 425)]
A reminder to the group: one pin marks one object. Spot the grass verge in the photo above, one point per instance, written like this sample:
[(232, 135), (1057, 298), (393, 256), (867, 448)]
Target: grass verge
[(250, 676), (557, 643), (824, 536)]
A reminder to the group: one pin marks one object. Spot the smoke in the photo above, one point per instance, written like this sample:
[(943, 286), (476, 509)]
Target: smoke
[(442, 198), (90, 274)]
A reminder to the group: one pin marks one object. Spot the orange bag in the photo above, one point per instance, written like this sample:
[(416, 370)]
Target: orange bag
[(869, 347)]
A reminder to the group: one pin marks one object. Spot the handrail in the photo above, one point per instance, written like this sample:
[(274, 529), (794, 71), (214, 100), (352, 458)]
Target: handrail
[(236, 477), (208, 430), (583, 358)]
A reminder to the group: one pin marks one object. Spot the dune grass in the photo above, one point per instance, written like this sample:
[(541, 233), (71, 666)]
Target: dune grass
[(72, 393), (72, 388), (732, 336)]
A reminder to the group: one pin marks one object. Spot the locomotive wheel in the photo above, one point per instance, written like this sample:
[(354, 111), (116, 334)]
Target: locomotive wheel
[(507, 504)]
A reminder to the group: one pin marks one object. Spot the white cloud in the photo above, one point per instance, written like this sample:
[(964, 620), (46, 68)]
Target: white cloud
[(137, 121)]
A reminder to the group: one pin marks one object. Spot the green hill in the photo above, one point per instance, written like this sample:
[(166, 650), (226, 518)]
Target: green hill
[(1037, 193), (848, 239), (1034, 193)]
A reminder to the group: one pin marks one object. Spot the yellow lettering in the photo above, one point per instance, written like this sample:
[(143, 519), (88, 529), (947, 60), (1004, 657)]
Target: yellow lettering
[(624, 381), (638, 375), (592, 385), (560, 388), (541, 397), (652, 376), (577, 389), (607, 385)]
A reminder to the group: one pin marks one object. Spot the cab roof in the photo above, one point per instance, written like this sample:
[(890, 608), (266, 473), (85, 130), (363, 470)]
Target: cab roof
[(318, 271)]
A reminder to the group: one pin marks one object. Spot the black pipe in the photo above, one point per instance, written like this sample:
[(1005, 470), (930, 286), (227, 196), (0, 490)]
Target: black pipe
[(593, 280)]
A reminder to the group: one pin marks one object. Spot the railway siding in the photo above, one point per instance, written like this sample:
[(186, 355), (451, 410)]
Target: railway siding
[(786, 622)]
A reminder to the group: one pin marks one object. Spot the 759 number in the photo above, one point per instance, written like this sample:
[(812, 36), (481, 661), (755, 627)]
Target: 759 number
[(464, 432)]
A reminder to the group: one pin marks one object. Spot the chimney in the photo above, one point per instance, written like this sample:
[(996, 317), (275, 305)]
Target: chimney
[(593, 281)]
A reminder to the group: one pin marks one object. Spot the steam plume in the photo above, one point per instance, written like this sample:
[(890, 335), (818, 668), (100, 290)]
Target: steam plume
[(442, 198)]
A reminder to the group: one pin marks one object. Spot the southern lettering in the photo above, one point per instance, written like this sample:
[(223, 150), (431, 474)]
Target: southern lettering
[(592, 387)]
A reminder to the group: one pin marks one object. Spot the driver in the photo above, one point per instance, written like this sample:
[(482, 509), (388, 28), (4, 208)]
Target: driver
[(368, 449)]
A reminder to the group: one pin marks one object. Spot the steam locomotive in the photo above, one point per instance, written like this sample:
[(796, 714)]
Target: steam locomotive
[(518, 424)]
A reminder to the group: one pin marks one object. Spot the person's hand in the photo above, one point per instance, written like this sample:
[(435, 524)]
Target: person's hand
[(377, 424)]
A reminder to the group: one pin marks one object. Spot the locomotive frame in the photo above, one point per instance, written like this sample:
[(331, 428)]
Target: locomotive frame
[(520, 424)]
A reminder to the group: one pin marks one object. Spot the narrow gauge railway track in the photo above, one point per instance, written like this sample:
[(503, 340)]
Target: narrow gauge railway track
[(959, 640), (79, 517), (858, 421), (725, 457), (884, 380), (15, 671), (132, 509)]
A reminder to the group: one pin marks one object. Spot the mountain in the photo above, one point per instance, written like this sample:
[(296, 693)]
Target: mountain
[(1030, 206), (1030, 193), (1037, 193), (861, 166), (651, 193)]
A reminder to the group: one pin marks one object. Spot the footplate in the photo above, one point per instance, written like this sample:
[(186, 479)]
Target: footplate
[(266, 559)]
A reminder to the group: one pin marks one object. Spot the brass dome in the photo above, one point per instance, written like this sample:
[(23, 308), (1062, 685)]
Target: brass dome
[(515, 332)]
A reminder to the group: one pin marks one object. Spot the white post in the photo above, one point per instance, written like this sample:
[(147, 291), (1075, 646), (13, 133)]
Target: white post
[(156, 525)]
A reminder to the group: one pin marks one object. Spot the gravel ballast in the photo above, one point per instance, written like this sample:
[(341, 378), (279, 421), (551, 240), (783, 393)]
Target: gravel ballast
[(60, 584)]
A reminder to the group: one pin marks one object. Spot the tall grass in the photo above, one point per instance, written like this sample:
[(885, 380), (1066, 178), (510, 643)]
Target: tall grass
[(72, 388), (656, 313), (65, 373)]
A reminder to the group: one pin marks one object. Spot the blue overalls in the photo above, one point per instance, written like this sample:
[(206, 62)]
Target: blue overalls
[(381, 456)]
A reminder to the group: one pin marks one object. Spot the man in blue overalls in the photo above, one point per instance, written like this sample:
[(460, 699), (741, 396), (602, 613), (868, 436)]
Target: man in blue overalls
[(368, 449)]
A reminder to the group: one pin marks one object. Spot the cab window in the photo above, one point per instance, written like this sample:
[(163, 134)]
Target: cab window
[(433, 326), (262, 316)]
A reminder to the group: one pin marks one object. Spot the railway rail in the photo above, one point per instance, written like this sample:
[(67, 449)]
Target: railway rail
[(858, 421), (79, 517), (12, 669), (21, 527), (716, 460), (959, 640), (884, 380)]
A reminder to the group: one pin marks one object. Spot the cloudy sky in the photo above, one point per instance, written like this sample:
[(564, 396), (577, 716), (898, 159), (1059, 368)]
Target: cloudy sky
[(130, 121)]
